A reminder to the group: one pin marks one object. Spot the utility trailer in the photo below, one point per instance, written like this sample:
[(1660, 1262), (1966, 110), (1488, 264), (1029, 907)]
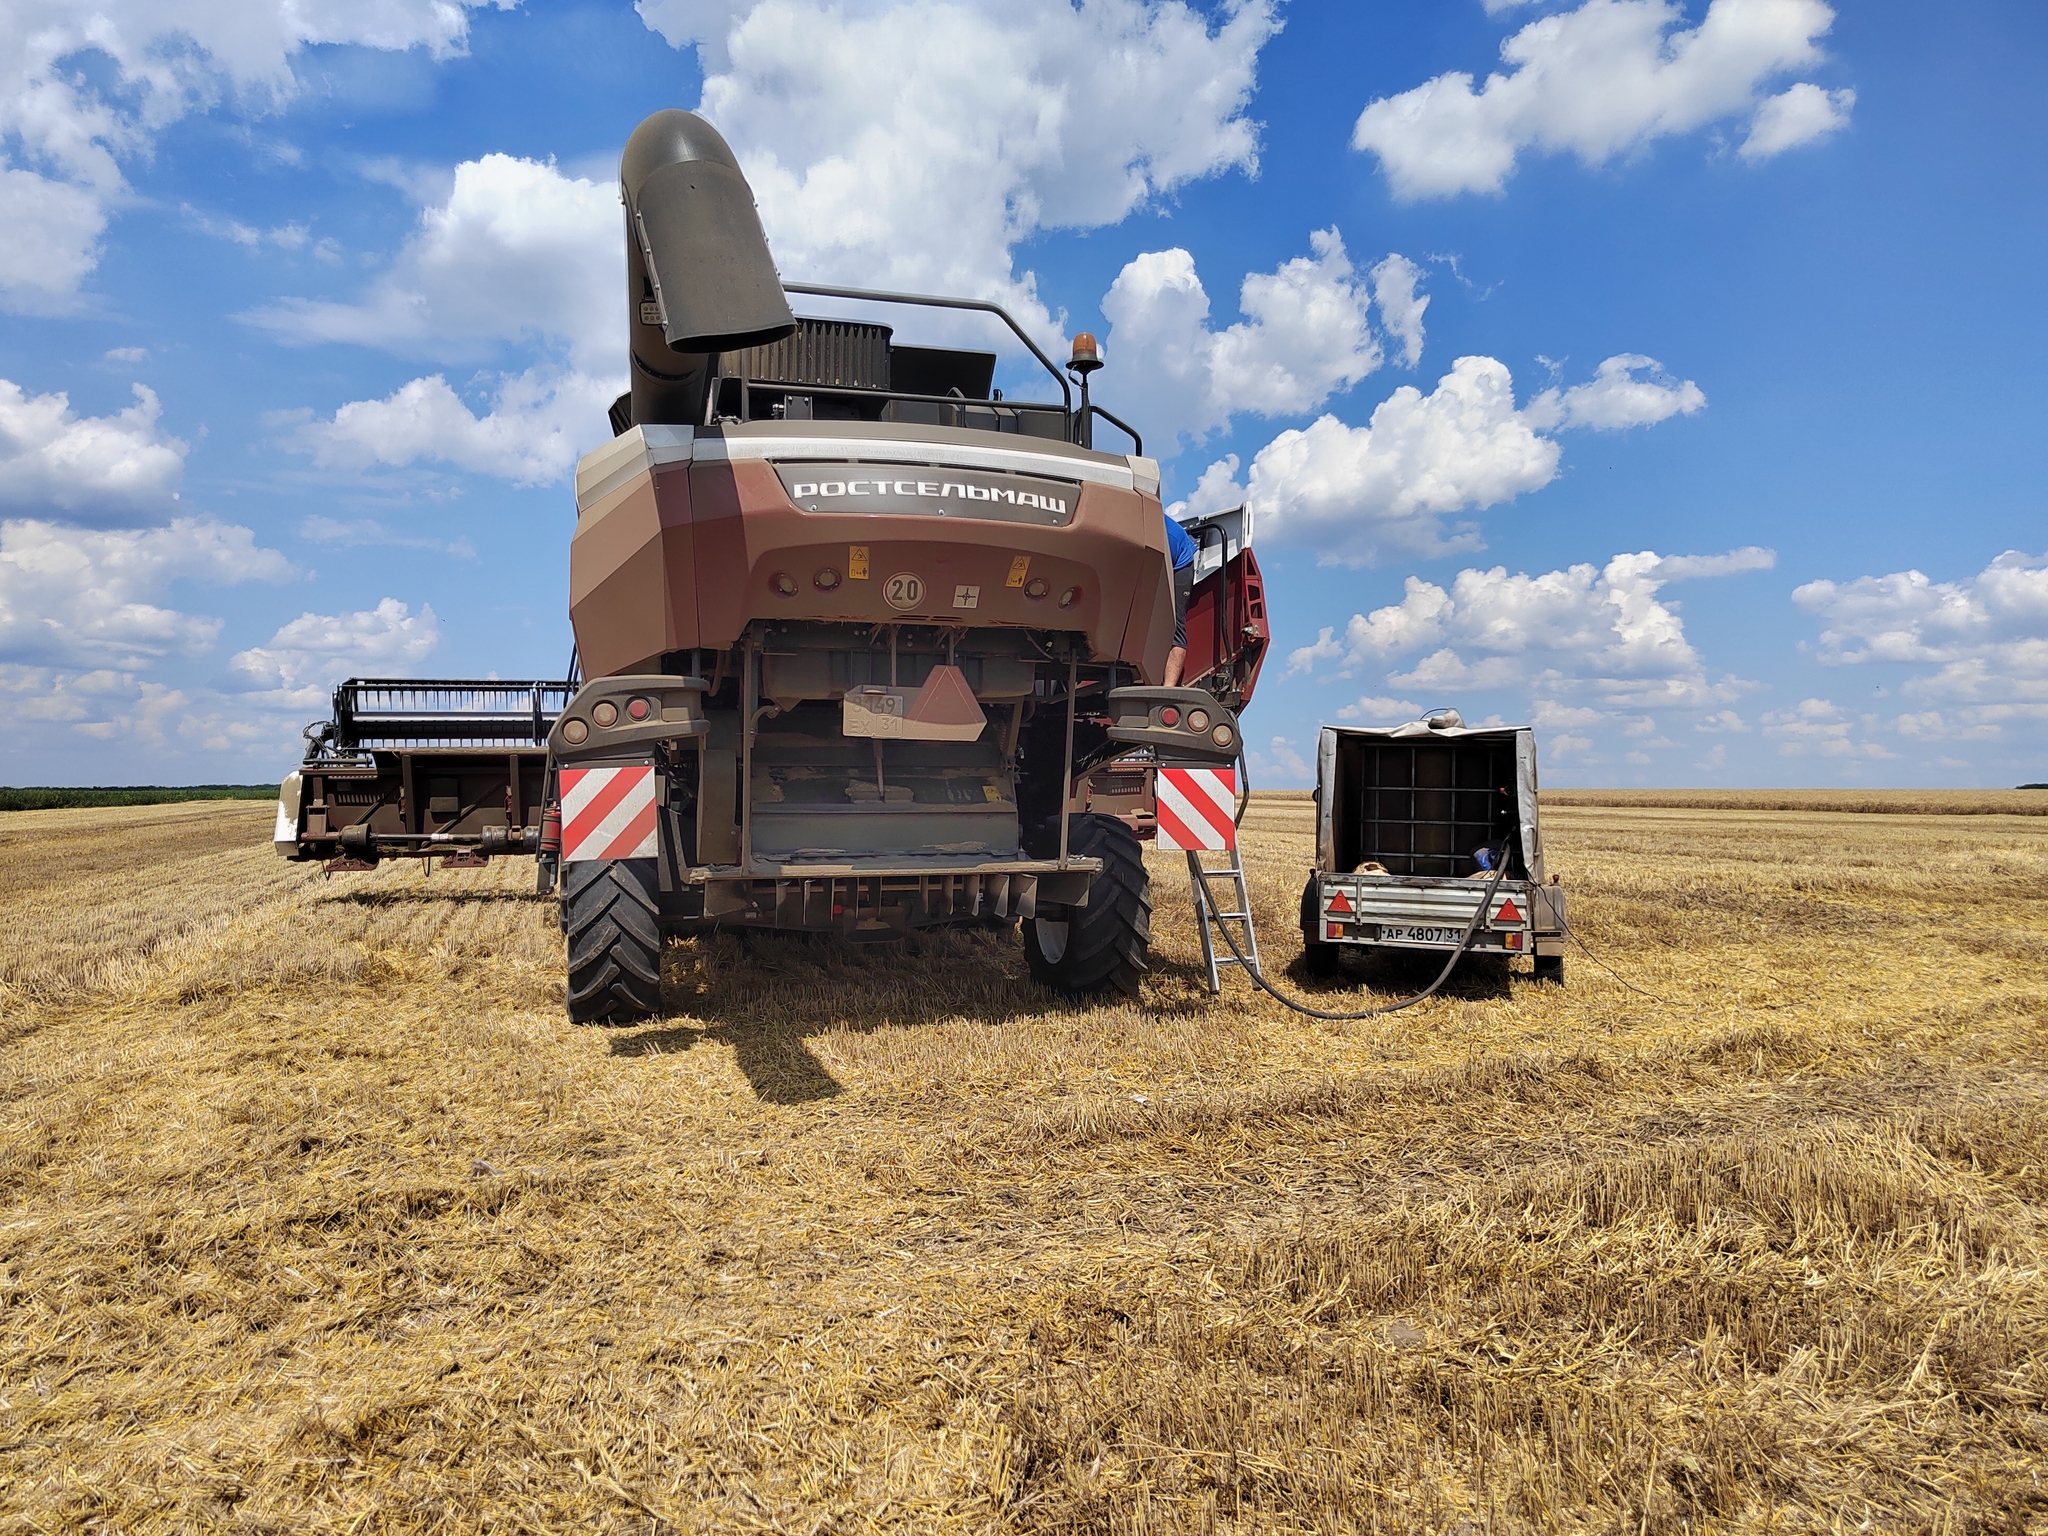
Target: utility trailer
[(1411, 823)]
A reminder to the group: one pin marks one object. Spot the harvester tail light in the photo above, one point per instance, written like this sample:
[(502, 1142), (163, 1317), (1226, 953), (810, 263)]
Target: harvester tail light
[(605, 713)]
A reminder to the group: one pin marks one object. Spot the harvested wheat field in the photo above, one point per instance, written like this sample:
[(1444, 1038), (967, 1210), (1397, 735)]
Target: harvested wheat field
[(320, 1217)]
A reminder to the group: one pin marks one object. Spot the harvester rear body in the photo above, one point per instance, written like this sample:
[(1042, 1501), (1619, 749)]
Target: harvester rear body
[(854, 631)]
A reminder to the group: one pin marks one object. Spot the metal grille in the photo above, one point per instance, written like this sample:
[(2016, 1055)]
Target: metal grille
[(445, 712), (1421, 808), (834, 352), (1118, 783)]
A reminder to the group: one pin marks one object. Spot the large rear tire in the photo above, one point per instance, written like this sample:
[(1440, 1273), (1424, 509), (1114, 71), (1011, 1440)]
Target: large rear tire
[(1106, 944), (612, 916)]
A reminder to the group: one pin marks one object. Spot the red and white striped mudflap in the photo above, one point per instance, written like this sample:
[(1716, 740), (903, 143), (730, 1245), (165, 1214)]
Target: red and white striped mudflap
[(1197, 809), (608, 813)]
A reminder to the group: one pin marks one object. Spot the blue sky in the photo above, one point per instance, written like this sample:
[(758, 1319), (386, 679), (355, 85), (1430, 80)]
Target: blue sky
[(1663, 373)]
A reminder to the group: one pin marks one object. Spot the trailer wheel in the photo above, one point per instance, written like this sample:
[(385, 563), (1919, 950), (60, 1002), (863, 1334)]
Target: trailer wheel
[(1550, 968), (1106, 943), (1318, 958), (610, 912)]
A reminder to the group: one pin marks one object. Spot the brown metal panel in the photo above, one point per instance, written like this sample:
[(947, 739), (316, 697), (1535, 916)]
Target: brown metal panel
[(1113, 552), (679, 556), (718, 538), (618, 581), (718, 833)]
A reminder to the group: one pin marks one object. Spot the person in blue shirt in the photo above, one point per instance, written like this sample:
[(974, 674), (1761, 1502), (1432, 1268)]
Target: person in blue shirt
[(1181, 549)]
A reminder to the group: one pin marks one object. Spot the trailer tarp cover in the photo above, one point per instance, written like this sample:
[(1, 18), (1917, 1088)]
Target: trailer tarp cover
[(1345, 817)]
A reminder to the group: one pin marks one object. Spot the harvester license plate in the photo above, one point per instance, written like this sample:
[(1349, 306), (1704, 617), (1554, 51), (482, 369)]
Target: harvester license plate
[(1401, 933)]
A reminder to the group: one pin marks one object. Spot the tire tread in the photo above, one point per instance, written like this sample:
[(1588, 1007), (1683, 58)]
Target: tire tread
[(612, 918), (1109, 941)]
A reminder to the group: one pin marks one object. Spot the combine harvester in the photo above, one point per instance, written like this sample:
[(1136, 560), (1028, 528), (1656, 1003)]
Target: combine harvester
[(860, 640)]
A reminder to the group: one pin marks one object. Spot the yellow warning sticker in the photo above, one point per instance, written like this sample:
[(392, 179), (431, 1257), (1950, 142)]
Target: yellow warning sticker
[(856, 562), (991, 793), (1019, 569)]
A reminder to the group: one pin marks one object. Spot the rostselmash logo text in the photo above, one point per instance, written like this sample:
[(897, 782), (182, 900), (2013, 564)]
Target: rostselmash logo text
[(957, 490)]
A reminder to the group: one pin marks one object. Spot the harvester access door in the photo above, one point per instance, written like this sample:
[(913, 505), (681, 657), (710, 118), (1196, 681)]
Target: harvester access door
[(1227, 633)]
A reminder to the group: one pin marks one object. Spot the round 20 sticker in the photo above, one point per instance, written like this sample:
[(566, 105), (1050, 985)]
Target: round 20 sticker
[(903, 591)]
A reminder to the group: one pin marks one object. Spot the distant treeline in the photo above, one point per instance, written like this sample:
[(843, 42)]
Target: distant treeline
[(2027, 800), (128, 794)]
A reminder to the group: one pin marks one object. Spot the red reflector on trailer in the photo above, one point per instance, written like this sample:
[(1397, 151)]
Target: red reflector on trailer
[(1333, 930), (1339, 902), (1508, 913)]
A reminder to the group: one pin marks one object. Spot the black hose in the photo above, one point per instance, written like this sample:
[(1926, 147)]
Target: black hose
[(1572, 933), (1464, 943)]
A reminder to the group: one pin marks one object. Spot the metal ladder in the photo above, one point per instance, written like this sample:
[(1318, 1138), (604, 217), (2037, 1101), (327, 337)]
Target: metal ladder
[(1208, 919)]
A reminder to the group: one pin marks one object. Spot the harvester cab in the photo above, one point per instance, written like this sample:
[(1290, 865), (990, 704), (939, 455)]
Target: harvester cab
[(855, 631)]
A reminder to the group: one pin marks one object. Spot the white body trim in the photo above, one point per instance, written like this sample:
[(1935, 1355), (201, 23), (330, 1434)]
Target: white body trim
[(639, 450)]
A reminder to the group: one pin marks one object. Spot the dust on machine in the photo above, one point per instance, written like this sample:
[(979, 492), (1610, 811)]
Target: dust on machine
[(862, 646)]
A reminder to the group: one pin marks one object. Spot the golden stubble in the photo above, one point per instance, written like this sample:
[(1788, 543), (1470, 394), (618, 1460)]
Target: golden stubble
[(319, 1216)]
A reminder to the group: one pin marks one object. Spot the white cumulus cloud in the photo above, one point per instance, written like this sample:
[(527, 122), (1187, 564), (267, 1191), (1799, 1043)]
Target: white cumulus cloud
[(1981, 641), (1805, 114), (86, 85), (1627, 390), (1305, 335), (517, 251), (1401, 308), (1020, 119), (1601, 81), (1818, 727), (313, 652), (537, 425), (91, 596), (53, 458), (1358, 494), (1599, 631)]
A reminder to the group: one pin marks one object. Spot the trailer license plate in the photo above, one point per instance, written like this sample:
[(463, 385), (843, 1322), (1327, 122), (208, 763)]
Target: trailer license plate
[(1400, 933)]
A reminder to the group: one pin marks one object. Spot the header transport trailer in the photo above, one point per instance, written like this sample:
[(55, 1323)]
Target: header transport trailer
[(855, 630), (1413, 822)]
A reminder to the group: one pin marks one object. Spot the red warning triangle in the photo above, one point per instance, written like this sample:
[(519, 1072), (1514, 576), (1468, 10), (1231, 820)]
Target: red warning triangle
[(1508, 913), (1338, 902), (945, 699)]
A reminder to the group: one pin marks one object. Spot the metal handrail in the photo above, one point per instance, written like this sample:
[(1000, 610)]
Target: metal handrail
[(933, 301), (862, 391), (1137, 442), (451, 711)]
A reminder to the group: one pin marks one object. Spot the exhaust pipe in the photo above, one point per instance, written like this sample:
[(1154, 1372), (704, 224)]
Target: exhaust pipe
[(699, 279)]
